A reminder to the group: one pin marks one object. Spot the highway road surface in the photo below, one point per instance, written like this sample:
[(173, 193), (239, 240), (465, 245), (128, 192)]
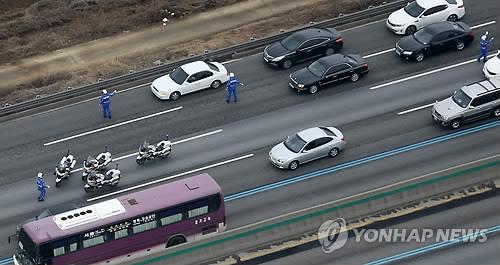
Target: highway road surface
[(386, 110)]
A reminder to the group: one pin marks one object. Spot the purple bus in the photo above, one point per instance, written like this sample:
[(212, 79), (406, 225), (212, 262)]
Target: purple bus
[(162, 216)]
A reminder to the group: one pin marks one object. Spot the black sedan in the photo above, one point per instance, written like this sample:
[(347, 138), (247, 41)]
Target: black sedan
[(327, 70), (435, 38), (303, 45)]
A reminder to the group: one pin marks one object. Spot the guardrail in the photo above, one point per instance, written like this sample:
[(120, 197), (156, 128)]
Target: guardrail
[(218, 55), (370, 203)]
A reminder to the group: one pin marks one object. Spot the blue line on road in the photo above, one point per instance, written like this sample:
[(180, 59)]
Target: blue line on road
[(6, 261), (424, 250), (360, 161)]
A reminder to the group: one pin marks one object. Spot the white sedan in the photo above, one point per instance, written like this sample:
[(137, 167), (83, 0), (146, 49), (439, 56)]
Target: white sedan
[(492, 67), (421, 13), (189, 78)]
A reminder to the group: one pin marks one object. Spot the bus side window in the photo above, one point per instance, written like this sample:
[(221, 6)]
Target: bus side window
[(121, 233), (59, 251), (198, 211), (171, 219)]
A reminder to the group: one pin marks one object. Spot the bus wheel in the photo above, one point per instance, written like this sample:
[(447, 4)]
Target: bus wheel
[(176, 240)]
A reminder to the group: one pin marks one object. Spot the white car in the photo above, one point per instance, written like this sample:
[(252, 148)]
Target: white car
[(492, 67), (189, 78), (421, 13)]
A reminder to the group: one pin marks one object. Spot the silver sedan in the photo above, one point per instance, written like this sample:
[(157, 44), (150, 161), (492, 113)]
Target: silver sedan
[(307, 145)]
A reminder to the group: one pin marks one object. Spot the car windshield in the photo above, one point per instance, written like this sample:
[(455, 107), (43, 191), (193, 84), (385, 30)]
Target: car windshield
[(413, 9), (423, 36), (178, 75), (317, 68), (461, 98), (290, 43), (294, 143)]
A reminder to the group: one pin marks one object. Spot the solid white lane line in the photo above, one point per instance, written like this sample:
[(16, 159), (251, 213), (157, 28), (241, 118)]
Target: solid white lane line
[(172, 177), (173, 143), (197, 136), (364, 25), (427, 73), (113, 126), (231, 61), (484, 24), (415, 109), (378, 53), (134, 87)]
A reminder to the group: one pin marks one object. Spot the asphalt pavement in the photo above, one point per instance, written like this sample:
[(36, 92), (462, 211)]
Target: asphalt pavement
[(267, 111)]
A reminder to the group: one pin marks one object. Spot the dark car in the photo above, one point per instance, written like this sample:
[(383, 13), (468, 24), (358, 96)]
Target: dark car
[(303, 45), (327, 70), (435, 38)]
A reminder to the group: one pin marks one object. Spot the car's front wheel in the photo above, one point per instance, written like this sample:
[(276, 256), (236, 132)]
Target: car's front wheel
[(287, 63), (419, 57), (293, 165), (455, 124), (215, 84), (313, 89), (410, 30), (175, 96), (460, 45)]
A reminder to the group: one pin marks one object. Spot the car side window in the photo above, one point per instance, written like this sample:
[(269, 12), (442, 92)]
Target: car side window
[(484, 99), (323, 140), (198, 76), (338, 68), (311, 145), (434, 10), (308, 44), (193, 78), (440, 37), (205, 74)]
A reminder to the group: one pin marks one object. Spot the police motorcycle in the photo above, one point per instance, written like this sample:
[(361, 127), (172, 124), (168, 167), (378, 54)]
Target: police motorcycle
[(97, 180), (99, 163), (63, 169), (149, 152)]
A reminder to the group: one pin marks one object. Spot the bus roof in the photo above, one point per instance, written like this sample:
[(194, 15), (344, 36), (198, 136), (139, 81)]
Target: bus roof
[(121, 208)]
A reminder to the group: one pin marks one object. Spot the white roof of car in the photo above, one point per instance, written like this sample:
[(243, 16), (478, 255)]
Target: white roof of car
[(195, 67), (311, 134), (430, 3)]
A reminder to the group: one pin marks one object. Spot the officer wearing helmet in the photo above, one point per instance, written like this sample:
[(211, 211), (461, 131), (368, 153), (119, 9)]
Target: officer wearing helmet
[(106, 102), (484, 43), (41, 186), (231, 87)]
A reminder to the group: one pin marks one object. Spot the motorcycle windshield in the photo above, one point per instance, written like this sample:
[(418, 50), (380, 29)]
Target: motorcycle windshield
[(144, 146)]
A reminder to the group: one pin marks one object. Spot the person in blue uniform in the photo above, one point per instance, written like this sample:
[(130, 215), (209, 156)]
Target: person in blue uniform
[(484, 43), (41, 186), (231, 87), (106, 102)]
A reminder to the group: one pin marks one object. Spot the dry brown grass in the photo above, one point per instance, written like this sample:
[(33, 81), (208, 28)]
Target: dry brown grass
[(36, 27), (59, 82)]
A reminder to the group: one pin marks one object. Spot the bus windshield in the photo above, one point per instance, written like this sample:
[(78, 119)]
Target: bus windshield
[(26, 249)]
